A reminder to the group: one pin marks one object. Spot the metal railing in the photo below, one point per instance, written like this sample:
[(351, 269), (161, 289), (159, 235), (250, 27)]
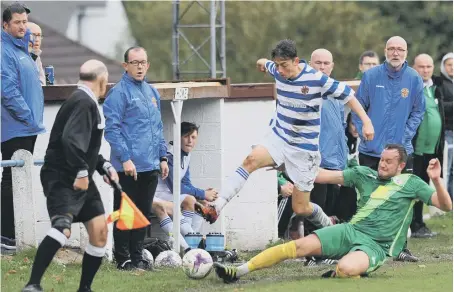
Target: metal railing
[(19, 163)]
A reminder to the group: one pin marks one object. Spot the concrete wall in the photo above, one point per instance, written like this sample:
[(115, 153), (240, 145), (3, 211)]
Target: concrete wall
[(251, 217), (228, 129)]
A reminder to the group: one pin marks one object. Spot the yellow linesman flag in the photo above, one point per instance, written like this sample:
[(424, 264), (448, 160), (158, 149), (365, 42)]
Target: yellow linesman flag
[(128, 216)]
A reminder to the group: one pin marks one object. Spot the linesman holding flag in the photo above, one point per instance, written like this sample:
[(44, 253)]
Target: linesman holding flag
[(71, 159)]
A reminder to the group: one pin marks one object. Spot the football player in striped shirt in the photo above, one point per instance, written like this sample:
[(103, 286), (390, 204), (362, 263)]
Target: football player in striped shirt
[(292, 140)]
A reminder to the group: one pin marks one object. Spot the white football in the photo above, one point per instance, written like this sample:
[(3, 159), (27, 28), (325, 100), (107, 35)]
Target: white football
[(168, 258), (146, 254), (197, 263)]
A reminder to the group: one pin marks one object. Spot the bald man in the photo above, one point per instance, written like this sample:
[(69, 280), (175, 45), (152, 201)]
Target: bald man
[(34, 48), (71, 159), (392, 95), (333, 147), (429, 140), (338, 201)]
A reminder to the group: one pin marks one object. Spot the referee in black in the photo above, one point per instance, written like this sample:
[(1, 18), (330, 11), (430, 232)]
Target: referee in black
[(71, 158)]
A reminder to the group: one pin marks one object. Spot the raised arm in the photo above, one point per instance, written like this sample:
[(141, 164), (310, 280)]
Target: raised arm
[(339, 90), (440, 198)]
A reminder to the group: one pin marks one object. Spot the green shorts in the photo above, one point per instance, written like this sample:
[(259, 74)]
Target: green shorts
[(340, 239)]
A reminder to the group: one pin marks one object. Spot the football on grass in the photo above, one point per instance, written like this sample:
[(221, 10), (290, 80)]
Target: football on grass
[(168, 258), (197, 263)]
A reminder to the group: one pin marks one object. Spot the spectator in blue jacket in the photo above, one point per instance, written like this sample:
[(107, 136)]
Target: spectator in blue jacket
[(392, 95), (22, 103), (333, 145), (138, 149), (163, 200)]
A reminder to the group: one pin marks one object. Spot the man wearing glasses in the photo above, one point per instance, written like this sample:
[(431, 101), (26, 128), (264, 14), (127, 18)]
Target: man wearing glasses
[(34, 48), (392, 95), (138, 150)]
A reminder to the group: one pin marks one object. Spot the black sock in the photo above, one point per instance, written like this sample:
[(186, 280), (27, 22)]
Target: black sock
[(46, 252), (90, 265)]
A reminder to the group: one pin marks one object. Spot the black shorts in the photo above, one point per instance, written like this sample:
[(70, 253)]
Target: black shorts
[(63, 199)]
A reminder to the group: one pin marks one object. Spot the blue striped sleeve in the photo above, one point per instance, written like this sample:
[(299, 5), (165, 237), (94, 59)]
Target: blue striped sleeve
[(333, 89), (270, 67)]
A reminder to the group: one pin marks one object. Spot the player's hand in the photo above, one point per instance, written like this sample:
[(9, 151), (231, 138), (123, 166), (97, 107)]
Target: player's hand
[(434, 169), (211, 195), (287, 190), (130, 169), (261, 65), (81, 184), (113, 176), (352, 130), (164, 169), (368, 131)]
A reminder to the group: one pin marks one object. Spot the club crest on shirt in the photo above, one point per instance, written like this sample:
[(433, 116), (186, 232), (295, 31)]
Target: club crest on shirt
[(404, 92), (397, 180), (154, 101), (304, 90)]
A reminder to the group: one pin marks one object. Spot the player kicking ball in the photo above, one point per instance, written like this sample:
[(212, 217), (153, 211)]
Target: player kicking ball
[(378, 229), (293, 137)]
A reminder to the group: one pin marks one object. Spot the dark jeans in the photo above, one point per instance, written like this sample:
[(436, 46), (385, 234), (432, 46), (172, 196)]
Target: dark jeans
[(420, 169), (332, 193), (128, 244), (344, 203), (318, 196), (8, 148)]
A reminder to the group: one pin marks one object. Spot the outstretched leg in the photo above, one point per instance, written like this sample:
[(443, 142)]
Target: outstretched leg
[(258, 158), (306, 246)]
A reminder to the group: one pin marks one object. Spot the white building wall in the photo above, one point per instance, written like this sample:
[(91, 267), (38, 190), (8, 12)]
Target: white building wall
[(228, 129), (251, 217)]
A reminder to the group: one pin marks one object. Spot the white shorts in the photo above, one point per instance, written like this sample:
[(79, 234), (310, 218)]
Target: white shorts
[(166, 196), (301, 165)]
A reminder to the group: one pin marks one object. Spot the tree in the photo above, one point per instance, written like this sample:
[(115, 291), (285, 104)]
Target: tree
[(426, 26), (253, 28)]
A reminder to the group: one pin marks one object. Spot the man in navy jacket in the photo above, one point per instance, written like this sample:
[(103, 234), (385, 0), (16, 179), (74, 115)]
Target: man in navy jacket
[(138, 149), (392, 95), (22, 102)]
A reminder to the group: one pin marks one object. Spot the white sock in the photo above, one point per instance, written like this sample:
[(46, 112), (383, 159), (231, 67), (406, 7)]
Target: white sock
[(242, 270), (167, 225), (318, 217), (188, 215), (197, 221), (232, 187), (185, 227)]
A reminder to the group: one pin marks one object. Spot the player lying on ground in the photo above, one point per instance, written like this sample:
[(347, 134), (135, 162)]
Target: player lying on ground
[(292, 139), (163, 199), (379, 228)]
